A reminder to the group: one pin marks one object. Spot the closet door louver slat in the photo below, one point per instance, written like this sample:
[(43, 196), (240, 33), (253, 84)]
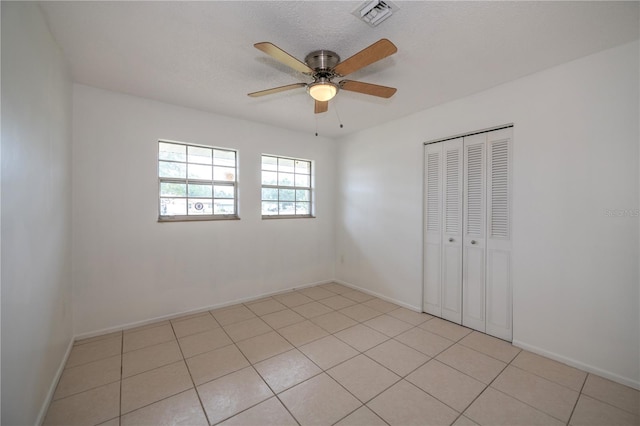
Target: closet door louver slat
[(499, 185)]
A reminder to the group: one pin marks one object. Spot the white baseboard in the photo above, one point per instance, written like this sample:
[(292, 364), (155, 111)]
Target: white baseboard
[(577, 364), (135, 324), (54, 384), (380, 296)]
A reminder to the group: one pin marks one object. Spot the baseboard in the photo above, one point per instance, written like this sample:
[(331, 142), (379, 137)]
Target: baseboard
[(380, 296), (577, 364), (135, 324), (54, 384)]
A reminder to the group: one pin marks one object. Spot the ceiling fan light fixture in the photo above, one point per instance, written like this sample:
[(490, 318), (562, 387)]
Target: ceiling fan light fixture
[(322, 90)]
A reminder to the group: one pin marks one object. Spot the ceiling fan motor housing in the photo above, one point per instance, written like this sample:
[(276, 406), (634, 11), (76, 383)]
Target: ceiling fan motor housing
[(322, 62)]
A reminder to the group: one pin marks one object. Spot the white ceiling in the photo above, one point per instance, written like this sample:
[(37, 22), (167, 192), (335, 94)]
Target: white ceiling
[(201, 54)]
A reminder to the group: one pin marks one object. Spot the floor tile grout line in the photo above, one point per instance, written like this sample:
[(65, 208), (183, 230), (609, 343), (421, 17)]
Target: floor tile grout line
[(491, 356), (573, 410), (121, 371), (155, 402), (84, 390), (552, 381), (487, 386), (608, 403), (195, 389), (265, 382), (90, 362), (524, 402)]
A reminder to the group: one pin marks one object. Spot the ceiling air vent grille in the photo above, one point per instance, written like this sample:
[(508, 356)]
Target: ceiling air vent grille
[(375, 11)]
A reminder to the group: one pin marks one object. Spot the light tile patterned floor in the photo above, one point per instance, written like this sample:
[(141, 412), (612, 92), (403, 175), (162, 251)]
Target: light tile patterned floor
[(324, 355)]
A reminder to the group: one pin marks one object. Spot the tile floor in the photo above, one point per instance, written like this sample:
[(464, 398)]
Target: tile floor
[(320, 356)]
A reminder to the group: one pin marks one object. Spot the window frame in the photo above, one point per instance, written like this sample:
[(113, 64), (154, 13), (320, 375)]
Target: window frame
[(186, 180), (310, 188)]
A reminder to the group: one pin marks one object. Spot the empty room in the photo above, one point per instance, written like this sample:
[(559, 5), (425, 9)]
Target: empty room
[(320, 213)]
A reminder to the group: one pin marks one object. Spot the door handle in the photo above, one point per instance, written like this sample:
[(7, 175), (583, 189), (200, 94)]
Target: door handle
[(473, 241), (450, 240)]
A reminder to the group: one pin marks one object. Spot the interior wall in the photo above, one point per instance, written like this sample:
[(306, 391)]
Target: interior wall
[(36, 213), (575, 221), (130, 268)]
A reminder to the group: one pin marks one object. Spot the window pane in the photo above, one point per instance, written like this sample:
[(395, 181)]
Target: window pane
[(269, 208), (223, 191), (269, 163), (221, 206), (198, 171), (224, 173), (269, 178), (173, 206), (285, 179), (169, 189), (287, 208), (302, 208), (172, 151), (269, 194), (224, 158), (200, 206), (303, 167), (303, 180), (173, 170), (285, 165), (302, 195), (199, 190), (287, 195), (199, 155)]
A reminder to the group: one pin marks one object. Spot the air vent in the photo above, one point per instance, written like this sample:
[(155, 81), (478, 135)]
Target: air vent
[(375, 11)]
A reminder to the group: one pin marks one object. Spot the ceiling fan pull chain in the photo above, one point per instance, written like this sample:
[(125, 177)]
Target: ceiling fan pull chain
[(335, 108)]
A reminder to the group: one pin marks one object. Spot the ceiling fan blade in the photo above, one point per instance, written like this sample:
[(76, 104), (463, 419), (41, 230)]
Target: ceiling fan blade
[(321, 107), (378, 50), (368, 88), (276, 53), (276, 90)]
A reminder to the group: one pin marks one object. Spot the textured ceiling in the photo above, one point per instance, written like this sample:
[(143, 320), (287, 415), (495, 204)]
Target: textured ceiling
[(201, 54)]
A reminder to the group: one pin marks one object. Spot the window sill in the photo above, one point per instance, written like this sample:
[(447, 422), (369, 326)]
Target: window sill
[(288, 217), (164, 219)]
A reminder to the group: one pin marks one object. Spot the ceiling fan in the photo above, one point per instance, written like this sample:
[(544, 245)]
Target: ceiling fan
[(324, 66)]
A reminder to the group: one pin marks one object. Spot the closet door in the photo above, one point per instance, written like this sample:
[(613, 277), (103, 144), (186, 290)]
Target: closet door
[(452, 231), (432, 230), (498, 276), (474, 228)]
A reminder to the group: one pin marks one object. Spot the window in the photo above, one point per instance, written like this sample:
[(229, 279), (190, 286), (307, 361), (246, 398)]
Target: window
[(286, 187), (196, 182)]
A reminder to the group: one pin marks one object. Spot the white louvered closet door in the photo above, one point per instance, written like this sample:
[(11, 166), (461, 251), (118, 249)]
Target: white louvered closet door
[(474, 231), (452, 231), (498, 274), (467, 251), (432, 294)]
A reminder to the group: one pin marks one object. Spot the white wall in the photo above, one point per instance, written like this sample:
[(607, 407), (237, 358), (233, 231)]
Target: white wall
[(576, 155), (130, 268), (36, 213)]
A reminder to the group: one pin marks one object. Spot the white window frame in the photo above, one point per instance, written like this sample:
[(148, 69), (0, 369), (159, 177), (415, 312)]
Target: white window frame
[(279, 187), (187, 181)]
